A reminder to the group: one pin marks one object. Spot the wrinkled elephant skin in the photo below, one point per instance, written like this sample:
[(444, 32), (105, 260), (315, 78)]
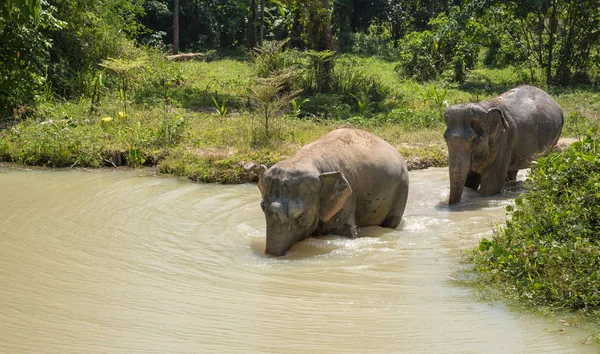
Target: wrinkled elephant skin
[(490, 141), (347, 178)]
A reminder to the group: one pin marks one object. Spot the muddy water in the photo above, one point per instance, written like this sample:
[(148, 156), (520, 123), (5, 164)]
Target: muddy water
[(97, 262)]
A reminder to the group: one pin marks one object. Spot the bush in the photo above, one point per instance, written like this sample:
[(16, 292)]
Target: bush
[(377, 41), (350, 78), (24, 54), (452, 44), (419, 56), (269, 57), (548, 254)]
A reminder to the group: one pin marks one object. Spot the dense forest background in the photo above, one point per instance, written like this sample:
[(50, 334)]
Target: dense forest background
[(53, 47)]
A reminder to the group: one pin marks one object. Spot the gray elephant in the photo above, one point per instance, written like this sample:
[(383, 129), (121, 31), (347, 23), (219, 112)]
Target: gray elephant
[(490, 141), (347, 178)]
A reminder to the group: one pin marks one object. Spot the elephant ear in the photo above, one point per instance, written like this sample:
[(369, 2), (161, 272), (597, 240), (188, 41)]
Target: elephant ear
[(497, 122), (261, 187), (335, 190)]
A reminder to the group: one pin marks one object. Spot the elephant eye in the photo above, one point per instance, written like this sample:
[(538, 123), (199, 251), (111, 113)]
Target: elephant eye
[(263, 205), (296, 209)]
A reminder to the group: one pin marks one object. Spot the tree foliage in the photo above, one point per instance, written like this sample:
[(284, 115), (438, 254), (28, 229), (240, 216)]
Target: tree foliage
[(53, 47)]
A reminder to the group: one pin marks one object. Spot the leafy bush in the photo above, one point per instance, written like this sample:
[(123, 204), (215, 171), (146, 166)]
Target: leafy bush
[(548, 254), (452, 44), (419, 56), (24, 54)]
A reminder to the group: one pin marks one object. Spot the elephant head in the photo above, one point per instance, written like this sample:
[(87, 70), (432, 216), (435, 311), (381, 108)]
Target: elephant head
[(473, 137), (294, 201)]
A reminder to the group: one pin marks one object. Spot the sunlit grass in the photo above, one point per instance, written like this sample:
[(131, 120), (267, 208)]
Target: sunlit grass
[(172, 119)]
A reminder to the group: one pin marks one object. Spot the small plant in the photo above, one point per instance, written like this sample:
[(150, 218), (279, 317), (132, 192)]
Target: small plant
[(220, 107), (351, 78), (97, 85), (438, 96), (123, 68), (169, 81), (268, 58), (362, 101), (134, 157), (297, 106), (270, 94)]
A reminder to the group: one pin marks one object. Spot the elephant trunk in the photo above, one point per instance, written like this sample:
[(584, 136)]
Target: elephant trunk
[(277, 244), (460, 164), (279, 234)]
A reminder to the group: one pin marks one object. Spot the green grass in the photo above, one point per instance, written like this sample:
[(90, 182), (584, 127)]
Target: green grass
[(171, 118)]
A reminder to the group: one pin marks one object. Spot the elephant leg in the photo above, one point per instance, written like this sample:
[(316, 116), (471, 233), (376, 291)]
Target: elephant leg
[(512, 175), (491, 184), (343, 223), (394, 216), (473, 180), (493, 179)]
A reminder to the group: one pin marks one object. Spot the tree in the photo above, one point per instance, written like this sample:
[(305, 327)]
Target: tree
[(559, 34), (21, 10), (175, 26), (315, 17), (24, 53)]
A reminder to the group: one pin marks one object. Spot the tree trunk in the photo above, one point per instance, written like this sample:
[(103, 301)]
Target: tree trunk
[(540, 49), (553, 27), (530, 48), (261, 33), (251, 28), (324, 41), (175, 27), (563, 72)]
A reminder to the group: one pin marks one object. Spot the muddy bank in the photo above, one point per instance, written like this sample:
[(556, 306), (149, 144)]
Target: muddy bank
[(225, 166)]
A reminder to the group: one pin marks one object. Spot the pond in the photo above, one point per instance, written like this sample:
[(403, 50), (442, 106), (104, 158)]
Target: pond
[(111, 261)]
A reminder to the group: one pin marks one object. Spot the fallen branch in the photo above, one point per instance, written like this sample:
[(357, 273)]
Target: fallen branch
[(188, 56)]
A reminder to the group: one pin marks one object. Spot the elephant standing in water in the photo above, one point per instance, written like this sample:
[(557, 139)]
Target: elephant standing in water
[(488, 142), (347, 178)]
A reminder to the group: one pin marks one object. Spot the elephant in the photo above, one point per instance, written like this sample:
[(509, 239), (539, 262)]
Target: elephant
[(490, 141), (346, 179)]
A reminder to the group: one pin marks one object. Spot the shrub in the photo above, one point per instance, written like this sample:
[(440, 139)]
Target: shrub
[(268, 58), (24, 56), (350, 78), (377, 41), (548, 254), (419, 56)]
